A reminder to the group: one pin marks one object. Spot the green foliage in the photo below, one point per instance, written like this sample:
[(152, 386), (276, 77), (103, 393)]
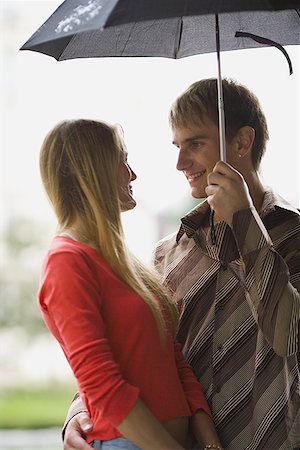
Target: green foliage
[(39, 407)]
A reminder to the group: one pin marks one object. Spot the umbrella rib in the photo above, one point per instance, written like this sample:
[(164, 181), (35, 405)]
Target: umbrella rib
[(59, 58), (128, 38), (178, 40)]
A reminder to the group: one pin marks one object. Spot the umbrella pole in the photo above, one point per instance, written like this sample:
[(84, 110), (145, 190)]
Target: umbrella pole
[(221, 122), (220, 96)]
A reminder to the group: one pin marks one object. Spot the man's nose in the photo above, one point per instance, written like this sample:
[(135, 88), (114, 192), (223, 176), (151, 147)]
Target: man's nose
[(183, 160)]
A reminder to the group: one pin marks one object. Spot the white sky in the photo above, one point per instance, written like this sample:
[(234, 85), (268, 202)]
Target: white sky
[(37, 92)]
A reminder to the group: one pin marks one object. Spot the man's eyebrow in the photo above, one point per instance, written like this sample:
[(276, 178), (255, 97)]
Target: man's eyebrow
[(192, 138)]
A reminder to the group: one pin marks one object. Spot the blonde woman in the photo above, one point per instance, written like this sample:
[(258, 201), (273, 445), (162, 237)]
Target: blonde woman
[(113, 319)]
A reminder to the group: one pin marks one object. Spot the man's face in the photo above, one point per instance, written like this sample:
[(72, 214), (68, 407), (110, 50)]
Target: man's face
[(199, 151)]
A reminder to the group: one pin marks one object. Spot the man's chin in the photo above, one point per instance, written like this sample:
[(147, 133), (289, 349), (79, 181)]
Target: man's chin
[(198, 194)]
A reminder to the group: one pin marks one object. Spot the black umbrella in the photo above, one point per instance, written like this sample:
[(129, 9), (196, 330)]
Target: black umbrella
[(167, 28)]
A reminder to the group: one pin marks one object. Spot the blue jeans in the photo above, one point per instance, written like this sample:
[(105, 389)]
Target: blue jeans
[(112, 444)]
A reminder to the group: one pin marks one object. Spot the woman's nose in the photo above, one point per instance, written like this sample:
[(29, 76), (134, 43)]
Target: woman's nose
[(133, 175)]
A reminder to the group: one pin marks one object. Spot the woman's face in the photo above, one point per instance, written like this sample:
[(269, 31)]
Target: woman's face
[(125, 177)]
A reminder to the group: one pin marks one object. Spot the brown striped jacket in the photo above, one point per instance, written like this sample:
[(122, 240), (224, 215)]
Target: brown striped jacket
[(240, 319)]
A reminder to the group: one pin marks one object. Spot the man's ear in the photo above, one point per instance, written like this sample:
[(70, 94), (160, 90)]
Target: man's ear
[(245, 139)]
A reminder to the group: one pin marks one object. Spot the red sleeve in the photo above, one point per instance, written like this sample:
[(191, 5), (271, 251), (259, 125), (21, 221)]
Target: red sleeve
[(71, 301), (192, 388)]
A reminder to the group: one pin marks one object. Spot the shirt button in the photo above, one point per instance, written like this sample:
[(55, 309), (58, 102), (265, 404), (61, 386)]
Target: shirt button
[(220, 347), (218, 389)]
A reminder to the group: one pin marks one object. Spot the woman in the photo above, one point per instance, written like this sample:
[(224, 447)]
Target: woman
[(113, 319)]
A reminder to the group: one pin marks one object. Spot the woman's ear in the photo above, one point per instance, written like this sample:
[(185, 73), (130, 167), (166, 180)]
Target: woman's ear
[(245, 139)]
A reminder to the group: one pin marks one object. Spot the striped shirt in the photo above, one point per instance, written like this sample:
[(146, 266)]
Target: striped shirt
[(240, 315)]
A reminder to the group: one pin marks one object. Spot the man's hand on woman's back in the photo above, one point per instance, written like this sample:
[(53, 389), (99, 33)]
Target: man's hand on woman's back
[(74, 438)]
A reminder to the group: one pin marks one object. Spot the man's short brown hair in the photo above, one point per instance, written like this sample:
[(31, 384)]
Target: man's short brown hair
[(241, 106)]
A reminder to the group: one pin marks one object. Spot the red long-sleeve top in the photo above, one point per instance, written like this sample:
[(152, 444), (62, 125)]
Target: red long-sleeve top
[(111, 341)]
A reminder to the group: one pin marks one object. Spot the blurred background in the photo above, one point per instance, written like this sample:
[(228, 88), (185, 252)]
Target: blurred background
[(36, 384)]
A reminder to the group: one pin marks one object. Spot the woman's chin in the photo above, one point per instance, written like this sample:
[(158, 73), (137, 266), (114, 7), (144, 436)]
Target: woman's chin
[(128, 205)]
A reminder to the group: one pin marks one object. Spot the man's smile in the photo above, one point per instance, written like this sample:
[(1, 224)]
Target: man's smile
[(194, 176)]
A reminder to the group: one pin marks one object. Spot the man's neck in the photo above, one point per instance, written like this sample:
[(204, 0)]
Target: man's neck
[(256, 189)]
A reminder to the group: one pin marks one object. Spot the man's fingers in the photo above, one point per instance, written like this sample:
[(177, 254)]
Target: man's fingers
[(84, 422), (227, 191), (211, 189), (223, 167), (210, 201), (76, 431), (75, 441), (219, 178)]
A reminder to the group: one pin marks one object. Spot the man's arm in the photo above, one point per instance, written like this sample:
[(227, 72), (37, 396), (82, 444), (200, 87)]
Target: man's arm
[(271, 278), (74, 434), (81, 423), (139, 426), (269, 271)]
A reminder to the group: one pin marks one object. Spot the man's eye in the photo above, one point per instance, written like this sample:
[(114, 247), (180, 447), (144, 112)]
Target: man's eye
[(195, 144)]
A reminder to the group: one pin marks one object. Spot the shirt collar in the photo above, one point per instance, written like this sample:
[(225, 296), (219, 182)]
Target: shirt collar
[(273, 201), (192, 221)]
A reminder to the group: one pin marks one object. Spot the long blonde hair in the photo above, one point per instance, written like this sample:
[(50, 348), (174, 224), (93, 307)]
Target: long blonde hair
[(79, 161)]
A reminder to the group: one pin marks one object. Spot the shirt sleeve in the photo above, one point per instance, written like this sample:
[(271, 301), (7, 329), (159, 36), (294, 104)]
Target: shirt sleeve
[(71, 301), (271, 277), (191, 386)]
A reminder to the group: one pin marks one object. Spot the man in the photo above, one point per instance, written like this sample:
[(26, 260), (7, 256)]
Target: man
[(234, 275)]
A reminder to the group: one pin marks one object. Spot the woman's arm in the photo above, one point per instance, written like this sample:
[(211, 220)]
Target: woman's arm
[(145, 431), (203, 428)]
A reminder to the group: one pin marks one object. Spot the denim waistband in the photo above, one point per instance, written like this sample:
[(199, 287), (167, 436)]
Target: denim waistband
[(112, 444)]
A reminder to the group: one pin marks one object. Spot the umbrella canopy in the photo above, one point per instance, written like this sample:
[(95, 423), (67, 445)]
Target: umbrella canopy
[(164, 28)]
